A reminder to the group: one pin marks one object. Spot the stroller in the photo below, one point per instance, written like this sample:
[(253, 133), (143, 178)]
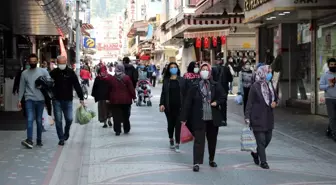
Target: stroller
[(144, 93)]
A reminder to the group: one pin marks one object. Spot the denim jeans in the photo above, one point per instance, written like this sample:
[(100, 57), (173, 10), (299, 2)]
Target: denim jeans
[(34, 111), (331, 109), (63, 107)]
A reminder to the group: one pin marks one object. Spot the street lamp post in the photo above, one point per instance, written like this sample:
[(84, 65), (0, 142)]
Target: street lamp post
[(80, 5)]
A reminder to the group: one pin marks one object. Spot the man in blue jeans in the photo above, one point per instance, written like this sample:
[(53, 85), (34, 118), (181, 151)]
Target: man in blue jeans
[(65, 80), (34, 100)]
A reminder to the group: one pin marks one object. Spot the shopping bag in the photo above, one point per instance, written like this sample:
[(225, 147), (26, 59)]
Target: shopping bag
[(186, 135), (248, 142), (239, 99), (83, 116), (47, 121)]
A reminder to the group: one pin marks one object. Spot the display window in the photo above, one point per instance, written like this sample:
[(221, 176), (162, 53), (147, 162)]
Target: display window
[(325, 49)]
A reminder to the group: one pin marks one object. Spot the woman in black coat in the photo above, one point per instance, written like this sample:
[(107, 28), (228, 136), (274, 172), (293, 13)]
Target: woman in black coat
[(203, 100), (259, 112), (100, 92), (173, 92)]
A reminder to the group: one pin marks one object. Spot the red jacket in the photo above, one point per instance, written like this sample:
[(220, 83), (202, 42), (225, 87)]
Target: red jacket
[(85, 74), (121, 92)]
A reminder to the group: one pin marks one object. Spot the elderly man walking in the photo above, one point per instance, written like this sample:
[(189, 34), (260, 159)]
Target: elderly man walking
[(65, 81)]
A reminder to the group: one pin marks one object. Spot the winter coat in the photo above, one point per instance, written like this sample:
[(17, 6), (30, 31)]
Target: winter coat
[(164, 99)]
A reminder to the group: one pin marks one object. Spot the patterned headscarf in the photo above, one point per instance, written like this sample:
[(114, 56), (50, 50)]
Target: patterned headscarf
[(266, 87), (103, 72), (120, 71), (205, 84)]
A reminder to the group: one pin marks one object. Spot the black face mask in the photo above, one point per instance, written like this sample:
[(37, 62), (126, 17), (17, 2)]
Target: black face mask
[(332, 69), (32, 66)]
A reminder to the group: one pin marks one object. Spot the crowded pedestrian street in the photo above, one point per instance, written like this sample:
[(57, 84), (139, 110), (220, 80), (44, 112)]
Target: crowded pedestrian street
[(95, 156)]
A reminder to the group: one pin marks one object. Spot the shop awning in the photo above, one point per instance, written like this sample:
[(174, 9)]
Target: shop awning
[(213, 20), (141, 26), (201, 34), (87, 26), (84, 32), (205, 6)]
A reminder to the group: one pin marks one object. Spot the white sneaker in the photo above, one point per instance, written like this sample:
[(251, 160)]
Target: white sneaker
[(177, 149)]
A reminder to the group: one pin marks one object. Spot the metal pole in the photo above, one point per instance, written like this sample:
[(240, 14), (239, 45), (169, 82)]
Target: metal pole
[(78, 33)]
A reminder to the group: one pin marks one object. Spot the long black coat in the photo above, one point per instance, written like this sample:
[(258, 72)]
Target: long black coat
[(257, 111), (192, 111), (164, 99)]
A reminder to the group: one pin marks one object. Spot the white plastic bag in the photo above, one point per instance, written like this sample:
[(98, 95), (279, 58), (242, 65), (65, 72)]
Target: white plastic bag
[(239, 99), (247, 141), (47, 120)]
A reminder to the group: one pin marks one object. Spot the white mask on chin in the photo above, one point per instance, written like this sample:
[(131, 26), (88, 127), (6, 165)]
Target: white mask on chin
[(61, 66), (204, 75)]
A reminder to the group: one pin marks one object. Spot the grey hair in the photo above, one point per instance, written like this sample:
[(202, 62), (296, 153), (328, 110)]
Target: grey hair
[(59, 57)]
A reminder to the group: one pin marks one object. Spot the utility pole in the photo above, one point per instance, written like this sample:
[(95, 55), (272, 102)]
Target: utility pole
[(78, 39)]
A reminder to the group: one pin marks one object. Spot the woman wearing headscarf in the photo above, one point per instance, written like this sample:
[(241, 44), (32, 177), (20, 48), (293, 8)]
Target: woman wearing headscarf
[(121, 95), (259, 112), (172, 94), (100, 92), (201, 109), (246, 79)]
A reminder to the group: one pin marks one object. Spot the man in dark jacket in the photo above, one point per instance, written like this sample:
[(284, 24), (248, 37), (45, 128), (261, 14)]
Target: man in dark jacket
[(130, 71), (65, 81), (221, 74)]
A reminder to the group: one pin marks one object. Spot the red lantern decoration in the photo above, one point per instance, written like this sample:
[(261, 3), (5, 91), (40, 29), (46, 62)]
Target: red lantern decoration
[(214, 41), (198, 43), (206, 42), (223, 39)]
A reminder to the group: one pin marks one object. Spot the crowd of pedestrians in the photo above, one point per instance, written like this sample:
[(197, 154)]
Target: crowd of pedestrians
[(197, 100)]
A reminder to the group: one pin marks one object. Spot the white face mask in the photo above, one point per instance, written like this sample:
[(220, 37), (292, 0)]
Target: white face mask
[(61, 66), (204, 75), (247, 66), (230, 60), (244, 59), (196, 70)]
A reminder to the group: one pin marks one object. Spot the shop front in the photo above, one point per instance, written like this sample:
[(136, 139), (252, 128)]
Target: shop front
[(299, 35)]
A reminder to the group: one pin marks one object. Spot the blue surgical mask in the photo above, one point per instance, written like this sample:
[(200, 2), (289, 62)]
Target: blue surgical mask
[(142, 66), (269, 77), (173, 71)]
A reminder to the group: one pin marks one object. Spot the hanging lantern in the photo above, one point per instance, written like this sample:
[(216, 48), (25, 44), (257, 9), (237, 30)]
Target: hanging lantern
[(198, 43), (214, 42), (223, 40), (206, 42)]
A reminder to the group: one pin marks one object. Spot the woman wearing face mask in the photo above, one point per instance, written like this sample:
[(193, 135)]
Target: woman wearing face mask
[(173, 91), (246, 79), (192, 74), (100, 92), (259, 115), (201, 109)]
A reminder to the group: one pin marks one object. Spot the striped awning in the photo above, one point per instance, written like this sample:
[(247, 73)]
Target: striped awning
[(87, 26), (85, 33), (206, 5), (213, 20)]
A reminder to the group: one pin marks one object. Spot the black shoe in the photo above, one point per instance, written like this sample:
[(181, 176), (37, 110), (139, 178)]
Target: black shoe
[(328, 132), (333, 137), (43, 129), (109, 123), (61, 143), (264, 165), (117, 133), (196, 168), (39, 143), (172, 144), (27, 143), (213, 164), (66, 136), (255, 158), (224, 123), (126, 132), (105, 126)]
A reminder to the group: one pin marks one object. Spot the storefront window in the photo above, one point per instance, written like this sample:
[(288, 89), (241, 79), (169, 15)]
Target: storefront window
[(325, 49)]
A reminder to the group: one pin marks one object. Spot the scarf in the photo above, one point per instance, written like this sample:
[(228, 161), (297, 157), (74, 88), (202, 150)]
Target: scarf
[(205, 90), (266, 87), (119, 71), (103, 72), (191, 76)]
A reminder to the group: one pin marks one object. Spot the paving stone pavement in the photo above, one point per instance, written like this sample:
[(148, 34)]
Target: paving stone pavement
[(95, 156)]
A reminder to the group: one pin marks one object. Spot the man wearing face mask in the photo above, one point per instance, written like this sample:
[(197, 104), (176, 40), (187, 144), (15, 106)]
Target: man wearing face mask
[(65, 81), (327, 84), (34, 100)]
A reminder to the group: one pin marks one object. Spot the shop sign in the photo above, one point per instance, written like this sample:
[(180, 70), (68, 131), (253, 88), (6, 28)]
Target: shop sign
[(246, 45), (253, 4)]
